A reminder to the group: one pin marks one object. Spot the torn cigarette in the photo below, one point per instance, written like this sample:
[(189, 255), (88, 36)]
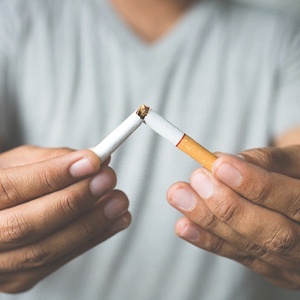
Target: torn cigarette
[(105, 148), (178, 138)]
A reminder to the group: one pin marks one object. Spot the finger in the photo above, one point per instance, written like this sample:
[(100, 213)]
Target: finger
[(68, 238), (280, 160), (267, 229), (180, 196), (24, 183), (27, 154), (184, 198), (21, 281), (33, 220), (207, 241), (268, 189)]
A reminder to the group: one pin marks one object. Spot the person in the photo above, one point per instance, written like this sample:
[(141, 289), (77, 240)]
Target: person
[(226, 73)]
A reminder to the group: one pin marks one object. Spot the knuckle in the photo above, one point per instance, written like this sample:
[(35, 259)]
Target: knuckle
[(295, 215), (282, 242), (35, 256), (208, 221), (246, 260), (215, 245), (294, 210), (254, 250), (8, 193), (15, 230), (50, 180), (69, 204), (226, 212), (90, 228), (260, 192)]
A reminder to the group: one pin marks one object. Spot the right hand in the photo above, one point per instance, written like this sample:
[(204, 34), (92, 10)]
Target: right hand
[(55, 204)]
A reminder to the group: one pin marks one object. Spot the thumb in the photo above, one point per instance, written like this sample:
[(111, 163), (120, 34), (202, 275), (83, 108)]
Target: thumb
[(285, 160), (24, 183)]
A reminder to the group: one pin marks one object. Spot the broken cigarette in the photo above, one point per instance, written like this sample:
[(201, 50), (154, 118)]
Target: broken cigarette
[(105, 148), (178, 138), (160, 125)]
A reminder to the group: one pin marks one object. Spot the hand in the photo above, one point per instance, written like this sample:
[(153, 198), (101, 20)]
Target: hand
[(53, 209), (249, 212)]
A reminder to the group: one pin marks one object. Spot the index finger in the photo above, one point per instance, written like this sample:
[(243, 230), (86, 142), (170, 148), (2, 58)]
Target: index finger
[(275, 191), (24, 183), (280, 160)]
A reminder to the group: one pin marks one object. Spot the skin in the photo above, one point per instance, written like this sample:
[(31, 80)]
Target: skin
[(151, 19), (43, 199), (253, 221), (47, 195), (247, 209)]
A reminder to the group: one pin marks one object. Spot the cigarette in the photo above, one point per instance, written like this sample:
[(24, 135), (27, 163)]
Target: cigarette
[(105, 148), (178, 138)]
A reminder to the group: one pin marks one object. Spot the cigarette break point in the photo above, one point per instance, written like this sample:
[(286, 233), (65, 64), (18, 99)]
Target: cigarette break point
[(143, 111)]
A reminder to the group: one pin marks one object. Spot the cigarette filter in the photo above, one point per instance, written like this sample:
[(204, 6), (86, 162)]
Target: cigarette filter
[(178, 138)]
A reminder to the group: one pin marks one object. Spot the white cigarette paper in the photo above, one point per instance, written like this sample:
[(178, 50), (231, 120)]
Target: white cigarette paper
[(177, 137), (163, 127), (105, 148)]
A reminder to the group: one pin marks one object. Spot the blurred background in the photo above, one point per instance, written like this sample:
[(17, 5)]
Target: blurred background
[(292, 6)]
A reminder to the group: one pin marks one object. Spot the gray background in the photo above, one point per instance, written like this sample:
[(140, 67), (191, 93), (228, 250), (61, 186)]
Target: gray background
[(288, 5)]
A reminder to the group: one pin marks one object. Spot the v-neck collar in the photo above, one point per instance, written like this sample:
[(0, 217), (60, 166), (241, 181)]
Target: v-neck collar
[(167, 42)]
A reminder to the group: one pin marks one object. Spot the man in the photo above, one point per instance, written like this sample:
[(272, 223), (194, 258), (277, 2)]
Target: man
[(225, 73)]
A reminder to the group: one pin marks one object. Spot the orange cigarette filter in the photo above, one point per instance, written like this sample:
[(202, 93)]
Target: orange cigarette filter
[(197, 152), (181, 140)]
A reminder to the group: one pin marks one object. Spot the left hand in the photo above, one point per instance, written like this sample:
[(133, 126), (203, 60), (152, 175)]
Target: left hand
[(247, 210)]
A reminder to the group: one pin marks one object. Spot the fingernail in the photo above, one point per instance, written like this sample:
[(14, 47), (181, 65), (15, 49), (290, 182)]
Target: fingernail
[(114, 208), (81, 168), (119, 224), (189, 233), (229, 175), (100, 184), (183, 199), (203, 185), (241, 157)]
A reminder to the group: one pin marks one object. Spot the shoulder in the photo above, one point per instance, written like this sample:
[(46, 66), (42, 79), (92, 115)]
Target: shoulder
[(10, 21), (33, 6), (18, 17), (259, 18), (258, 27), (248, 11), (16, 11)]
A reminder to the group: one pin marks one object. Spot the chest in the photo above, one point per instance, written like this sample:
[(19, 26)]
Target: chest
[(74, 87)]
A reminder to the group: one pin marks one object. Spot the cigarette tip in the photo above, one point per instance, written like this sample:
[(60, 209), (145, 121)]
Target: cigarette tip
[(143, 111)]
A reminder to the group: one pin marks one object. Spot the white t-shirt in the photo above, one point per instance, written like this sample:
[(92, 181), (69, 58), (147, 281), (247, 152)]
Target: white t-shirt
[(71, 71)]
